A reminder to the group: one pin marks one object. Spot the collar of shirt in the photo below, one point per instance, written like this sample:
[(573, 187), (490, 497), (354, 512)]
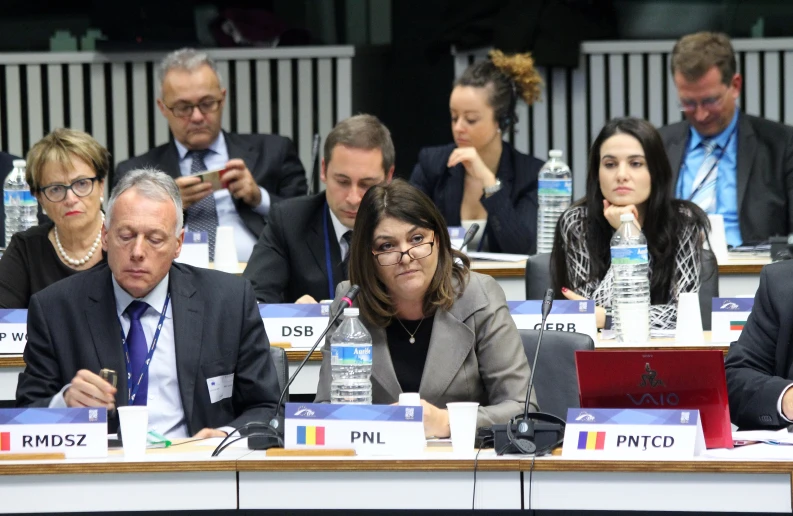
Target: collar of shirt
[(339, 229), (155, 298), (721, 139), (217, 147)]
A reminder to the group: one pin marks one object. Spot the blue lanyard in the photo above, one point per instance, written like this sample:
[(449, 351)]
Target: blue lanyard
[(133, 391), (328, 266), (712, 168)]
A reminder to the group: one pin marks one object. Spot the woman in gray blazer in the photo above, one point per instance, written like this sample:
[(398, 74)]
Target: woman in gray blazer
[(437, 328)]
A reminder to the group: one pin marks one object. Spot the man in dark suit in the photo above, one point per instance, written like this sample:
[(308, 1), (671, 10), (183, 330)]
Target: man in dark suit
[(260, 169), (300, 257), (187, 342), (759, 364), (728, 162)]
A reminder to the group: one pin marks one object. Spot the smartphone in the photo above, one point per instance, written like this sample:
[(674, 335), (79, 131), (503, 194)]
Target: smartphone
[(214, 177)]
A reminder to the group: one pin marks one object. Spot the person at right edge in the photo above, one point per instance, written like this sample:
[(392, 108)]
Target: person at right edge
[(725, 161), (437, 328), (480, 177)]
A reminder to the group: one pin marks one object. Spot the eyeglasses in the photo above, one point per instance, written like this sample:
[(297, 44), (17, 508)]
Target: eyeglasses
[(184, 110), (709, 103), (417, 252), (81, 188)]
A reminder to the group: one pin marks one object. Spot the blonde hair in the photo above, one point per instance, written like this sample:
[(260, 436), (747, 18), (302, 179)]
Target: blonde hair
[(61, 146)]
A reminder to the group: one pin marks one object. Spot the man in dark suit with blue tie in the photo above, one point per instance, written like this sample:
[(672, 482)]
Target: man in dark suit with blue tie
[(187, 342), (260, 169)]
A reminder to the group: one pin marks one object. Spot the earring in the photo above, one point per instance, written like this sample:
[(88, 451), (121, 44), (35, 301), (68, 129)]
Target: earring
[(102, 200)]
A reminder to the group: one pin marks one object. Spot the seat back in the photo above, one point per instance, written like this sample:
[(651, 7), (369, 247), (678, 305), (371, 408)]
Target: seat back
[(556, 381), (278, 355), (538, 275), (708, 286)]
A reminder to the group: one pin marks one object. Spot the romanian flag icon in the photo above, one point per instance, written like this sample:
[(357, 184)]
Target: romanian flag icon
[(5, 441), (737, 325), (311, 435), (591, 440)]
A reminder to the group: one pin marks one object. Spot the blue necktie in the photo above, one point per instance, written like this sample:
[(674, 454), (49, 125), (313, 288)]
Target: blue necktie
[(138, 350), (705, 179), (203, 215), (345, 263)]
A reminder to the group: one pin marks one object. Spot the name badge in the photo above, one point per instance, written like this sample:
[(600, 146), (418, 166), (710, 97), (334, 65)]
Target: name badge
[(729, 317), (292, 325), (631, 434), (76, 432), (566, 315), (195, 249), (13, 331), (220, 387), (368, 429)]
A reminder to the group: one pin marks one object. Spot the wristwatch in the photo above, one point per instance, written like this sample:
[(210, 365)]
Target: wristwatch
[(490, 190)]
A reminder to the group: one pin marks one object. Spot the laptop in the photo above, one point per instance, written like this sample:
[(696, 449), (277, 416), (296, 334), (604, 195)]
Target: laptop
[(674, 379)]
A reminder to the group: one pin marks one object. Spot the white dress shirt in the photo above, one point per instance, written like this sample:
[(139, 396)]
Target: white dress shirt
[(216, 158)]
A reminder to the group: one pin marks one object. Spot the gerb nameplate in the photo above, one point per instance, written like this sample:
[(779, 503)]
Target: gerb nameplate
[(77, 432), (729, 317), (298, 326), (566, 315), (368, 429), (13, 331), (631, 434)]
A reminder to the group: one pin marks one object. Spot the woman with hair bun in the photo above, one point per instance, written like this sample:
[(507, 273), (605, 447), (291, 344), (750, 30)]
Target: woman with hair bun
[(480, 177)]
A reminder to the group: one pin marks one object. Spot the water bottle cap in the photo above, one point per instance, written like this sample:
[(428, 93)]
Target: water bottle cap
[(626, 217), (20, 163), (555, 153), (351, 312)]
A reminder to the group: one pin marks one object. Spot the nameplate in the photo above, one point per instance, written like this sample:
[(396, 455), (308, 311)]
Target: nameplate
[(573, 316), (368, 429), (13, 331), (631, 434), (195, 249), (292, 325), (76, 432), (456, 237), (729, 317)]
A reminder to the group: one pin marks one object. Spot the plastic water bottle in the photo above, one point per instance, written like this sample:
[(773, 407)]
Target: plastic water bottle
[(554, 192), (631, 295), (20, 205), (351, 361)]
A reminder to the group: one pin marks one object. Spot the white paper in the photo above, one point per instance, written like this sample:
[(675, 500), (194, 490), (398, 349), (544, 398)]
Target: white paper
[(220, 387), (497, 257)]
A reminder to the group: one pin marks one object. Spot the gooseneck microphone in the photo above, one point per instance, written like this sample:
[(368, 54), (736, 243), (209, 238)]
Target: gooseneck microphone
[(547, 303), (470, 234)]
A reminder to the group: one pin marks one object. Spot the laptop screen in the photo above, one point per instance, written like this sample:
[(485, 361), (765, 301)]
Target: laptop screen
[(674, 379)]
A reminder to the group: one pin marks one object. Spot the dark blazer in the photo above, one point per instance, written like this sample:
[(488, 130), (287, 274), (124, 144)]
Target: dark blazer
[(288, 261), (511, 212), (271, 159), (475, 354), (759, 364), (764, 173), (73, 325)]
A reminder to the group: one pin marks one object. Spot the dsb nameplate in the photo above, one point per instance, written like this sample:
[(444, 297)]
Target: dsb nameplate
[(77, 432), (297, 326), (631, 434), (13, 331), (368, 429), (566, 315)]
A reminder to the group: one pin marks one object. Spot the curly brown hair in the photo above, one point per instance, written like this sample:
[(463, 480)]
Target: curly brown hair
[(520, 67)]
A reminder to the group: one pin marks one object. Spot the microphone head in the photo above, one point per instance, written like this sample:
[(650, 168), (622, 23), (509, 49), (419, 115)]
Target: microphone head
[(547, 302), (470, 234), (548, 296), (351, 295)]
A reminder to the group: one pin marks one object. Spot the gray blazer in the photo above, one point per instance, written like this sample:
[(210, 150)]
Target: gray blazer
[(475, 354)]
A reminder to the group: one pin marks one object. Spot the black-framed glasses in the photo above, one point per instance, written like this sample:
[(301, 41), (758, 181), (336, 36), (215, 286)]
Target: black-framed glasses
[(709, 103), (417, 252), (184, 110), (80, 187)]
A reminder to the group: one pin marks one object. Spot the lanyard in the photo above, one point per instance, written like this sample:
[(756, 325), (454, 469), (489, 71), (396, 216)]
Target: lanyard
[(328, 266), (702, 183), (133, 391)]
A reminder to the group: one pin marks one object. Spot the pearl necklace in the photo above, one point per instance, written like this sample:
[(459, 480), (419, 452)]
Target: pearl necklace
[(87, 257)]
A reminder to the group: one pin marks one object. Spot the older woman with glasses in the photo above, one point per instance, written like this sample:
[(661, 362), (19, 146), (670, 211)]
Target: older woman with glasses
[(437, 328), (66, 172)]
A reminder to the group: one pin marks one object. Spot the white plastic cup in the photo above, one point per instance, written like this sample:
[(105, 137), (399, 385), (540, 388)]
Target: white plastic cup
[(134, 427), (409, 399), (462, 423), (718, 238), (689, 319), (226, 250)]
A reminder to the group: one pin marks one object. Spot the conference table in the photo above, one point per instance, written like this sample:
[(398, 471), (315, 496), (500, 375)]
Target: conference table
[(185, 477)]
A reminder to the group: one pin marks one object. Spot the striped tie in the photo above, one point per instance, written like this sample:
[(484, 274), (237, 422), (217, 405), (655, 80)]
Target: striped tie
[(202, 216), (704, 186)]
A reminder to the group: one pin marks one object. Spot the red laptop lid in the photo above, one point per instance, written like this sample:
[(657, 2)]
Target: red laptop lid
[(678, 379)]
